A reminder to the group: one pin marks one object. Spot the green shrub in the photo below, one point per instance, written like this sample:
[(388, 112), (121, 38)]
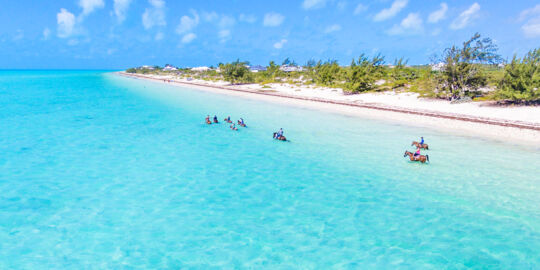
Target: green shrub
[(521, 79)]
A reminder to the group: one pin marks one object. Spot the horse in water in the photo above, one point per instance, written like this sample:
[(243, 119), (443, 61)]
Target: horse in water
[(420, 158), (422, 146), (280, 138), (240, 123)]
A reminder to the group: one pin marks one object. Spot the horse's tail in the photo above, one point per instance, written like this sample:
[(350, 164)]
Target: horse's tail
[(427, 157)]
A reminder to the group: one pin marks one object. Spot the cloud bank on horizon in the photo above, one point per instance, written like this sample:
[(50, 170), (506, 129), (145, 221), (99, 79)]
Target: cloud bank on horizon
[(122, 33)]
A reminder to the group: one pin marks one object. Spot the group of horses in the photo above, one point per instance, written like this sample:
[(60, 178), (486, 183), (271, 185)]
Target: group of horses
[(226, 120), (242, 124), (419, 158)]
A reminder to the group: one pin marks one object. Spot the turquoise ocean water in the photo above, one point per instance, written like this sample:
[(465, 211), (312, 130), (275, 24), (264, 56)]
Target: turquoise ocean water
[(103, 172)]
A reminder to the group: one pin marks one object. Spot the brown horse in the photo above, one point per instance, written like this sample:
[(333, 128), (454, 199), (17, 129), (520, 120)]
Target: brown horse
[(241, 124), (420, 158), (422, 146), (280, 138)]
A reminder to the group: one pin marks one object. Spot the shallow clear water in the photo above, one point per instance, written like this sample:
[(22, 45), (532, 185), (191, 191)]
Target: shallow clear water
[(99, 171)]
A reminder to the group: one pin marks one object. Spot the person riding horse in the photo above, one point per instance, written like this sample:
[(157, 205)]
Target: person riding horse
[(420, 144), (241, 122), (215, 119), (208, 119), (417, 153), (279, 135), (416, 156)]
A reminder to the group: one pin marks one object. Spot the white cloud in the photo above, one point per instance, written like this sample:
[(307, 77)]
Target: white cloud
[(154, 15), (159, 36), (187, 23), (359, 9), (224, 33), (209, 16), (529, 12), (66, 23), (531, 28), (465, 17), (313, 4), (247, 18), (120, 9), (89, 6), (188, 38), (226, 21), (332, 28), (438, 14), (412, 24), (388, 13), (73, 42), (273, 19), (46, 33), (279, 44)]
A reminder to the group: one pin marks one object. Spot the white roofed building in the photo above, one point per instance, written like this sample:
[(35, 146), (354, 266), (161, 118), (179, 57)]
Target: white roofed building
[(200, 69), (169, 68), (437, 67), (286, 68)]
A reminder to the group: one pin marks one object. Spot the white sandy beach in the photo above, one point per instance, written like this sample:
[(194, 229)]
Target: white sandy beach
[(393, 107)]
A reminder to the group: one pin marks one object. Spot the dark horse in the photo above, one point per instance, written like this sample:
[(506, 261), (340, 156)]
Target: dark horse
[(241, 124), (422, 146), (280, 138), (420, 158)]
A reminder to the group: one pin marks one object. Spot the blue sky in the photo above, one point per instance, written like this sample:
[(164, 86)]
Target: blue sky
[(113, 34)]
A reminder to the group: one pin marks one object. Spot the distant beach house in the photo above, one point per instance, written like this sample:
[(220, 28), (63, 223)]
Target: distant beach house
[(288, 68), (437, 67), (146, 67), (257, 68), (169, 68), (200, 69)]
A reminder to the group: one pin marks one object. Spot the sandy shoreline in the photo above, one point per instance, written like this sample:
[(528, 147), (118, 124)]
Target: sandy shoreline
[(417, 113)]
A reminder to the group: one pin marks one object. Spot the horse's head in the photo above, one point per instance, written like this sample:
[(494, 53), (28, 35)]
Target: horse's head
[(407, 153)]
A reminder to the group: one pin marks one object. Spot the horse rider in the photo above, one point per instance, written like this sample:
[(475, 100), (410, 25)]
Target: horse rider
[(279, 133), (417, 153)]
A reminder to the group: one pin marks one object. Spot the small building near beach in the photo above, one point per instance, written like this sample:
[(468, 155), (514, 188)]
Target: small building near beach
[(169, 68), (200, 69), (437, 67), (288, 68), (257, 68), (146, 67)]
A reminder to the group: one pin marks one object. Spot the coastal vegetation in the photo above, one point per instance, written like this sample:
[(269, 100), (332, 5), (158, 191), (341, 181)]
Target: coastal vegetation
[(521, 79), (471, 71)]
